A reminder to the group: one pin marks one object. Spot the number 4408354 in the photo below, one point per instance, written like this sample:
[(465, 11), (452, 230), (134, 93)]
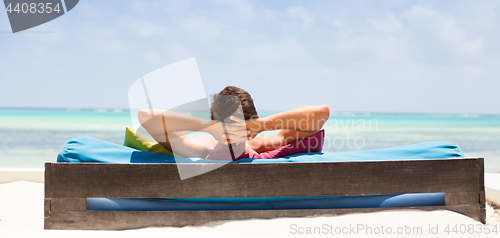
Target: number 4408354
[(33, 8)]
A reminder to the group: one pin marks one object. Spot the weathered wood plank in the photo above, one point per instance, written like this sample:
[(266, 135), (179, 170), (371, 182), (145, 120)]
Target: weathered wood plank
[(461, 198), (48, 195), (68, 204), (482, 195), (265, 180), (480, 165), (89, 220), (46, 205), (47, 225), (48, 180), (46, 216)]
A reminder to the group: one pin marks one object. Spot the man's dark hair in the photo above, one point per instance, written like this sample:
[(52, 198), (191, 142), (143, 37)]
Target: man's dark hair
[(224, 106)]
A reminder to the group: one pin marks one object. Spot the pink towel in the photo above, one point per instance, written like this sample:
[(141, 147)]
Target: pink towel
[(313, 143)]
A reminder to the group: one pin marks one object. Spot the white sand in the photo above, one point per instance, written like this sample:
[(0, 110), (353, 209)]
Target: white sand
[(492, 187), (21, 215), (12, 175), (21, 205)]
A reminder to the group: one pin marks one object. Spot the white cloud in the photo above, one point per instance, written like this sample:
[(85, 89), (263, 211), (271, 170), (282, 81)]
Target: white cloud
[(337, 23), (440, 31), (201, 28), (139, 27), (302, 14), (105, 45), (240, 8), (389, 24), (395, 56), (178, 52)]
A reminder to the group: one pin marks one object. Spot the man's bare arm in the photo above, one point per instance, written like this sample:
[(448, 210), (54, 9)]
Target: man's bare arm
[(295, 124), (308, 118), (166, 125), (157, 121)]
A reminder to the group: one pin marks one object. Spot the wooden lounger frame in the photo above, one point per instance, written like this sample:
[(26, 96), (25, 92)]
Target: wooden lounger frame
[(68, 185)]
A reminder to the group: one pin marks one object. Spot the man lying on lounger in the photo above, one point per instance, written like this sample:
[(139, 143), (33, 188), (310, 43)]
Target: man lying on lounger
[(239, 129)]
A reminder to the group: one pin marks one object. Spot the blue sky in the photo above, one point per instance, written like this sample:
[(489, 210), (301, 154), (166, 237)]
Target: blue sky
[(360, 56)]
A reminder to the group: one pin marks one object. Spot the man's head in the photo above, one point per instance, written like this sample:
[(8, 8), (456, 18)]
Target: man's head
[(224, 106)]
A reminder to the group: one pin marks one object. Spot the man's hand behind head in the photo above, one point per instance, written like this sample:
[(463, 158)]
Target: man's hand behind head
[(229, 133)]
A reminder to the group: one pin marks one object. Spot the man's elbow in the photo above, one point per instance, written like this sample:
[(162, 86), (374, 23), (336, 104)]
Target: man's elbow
[(323, 112), (144, 115)]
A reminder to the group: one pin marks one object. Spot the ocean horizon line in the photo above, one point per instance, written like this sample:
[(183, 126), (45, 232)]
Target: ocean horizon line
[(344, 113)]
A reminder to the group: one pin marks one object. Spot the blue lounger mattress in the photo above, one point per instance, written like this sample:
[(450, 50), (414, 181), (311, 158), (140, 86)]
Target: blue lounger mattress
[(91, 150), (265, 203)]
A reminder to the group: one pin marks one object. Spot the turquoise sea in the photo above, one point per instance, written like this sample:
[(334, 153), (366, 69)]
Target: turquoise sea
[(30, 137)]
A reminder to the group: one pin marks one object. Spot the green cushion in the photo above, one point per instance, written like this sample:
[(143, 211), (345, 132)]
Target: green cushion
[(136, 142)]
